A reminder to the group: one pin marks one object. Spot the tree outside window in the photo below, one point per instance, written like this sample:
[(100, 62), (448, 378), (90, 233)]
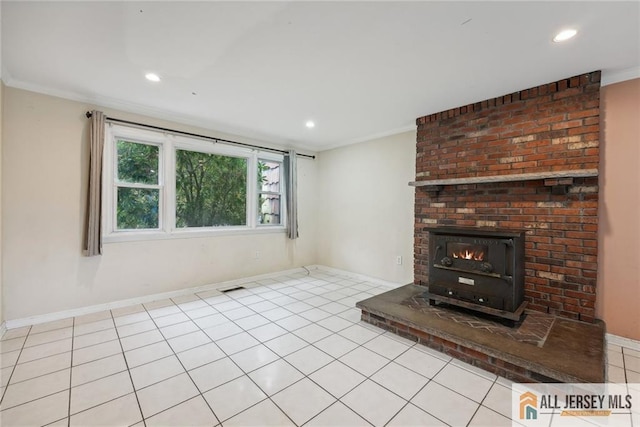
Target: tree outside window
[(159, 186)]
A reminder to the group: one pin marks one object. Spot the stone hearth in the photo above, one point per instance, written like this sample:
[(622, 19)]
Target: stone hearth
[(541, 348)]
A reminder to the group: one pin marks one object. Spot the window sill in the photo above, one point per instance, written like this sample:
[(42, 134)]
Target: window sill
[(137, 236)]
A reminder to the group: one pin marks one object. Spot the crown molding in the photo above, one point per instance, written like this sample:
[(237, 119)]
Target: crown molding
[(618, 76), (244, 135)]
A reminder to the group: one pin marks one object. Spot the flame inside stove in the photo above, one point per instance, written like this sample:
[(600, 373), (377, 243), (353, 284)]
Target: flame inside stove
[(467, 254)]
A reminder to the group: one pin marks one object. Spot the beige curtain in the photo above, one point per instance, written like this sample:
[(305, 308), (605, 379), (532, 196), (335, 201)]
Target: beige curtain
[(291, 190), (93, 232)]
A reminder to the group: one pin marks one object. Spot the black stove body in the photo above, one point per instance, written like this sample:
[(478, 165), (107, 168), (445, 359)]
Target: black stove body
[(478, 268)]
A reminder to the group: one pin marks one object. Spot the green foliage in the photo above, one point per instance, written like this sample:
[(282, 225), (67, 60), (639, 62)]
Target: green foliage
[(211, 190), (137, 208), (137, 163)]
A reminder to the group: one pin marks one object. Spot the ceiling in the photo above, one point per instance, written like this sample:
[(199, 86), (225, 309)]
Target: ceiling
[(262, 69)]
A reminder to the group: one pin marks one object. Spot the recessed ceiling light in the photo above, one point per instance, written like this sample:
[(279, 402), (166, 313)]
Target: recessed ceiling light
[(564, 35), (152, 77), (310, 124)]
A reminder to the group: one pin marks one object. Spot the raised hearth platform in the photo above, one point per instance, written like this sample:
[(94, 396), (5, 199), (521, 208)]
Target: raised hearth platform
[(541, 348)]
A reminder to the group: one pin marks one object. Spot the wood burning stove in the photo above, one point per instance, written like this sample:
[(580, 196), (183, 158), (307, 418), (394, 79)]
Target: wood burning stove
[(477, 268)]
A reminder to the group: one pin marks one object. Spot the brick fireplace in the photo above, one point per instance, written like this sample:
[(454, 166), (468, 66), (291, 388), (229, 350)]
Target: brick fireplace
[(490, 176), (524, 161)]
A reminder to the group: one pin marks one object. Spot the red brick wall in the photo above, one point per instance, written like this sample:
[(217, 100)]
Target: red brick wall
[(553, 127)]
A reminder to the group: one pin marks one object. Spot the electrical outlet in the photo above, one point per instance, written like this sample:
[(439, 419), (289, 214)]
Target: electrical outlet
[(257, 256), (399, 260)]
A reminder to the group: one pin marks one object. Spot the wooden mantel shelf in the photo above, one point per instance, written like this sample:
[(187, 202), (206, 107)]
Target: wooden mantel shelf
[(507, 178)]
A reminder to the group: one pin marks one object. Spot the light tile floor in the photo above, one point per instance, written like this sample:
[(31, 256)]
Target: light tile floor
[(285, 351)]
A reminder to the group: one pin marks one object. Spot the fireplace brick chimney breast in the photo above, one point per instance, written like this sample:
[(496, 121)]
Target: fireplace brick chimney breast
[(546, 129)]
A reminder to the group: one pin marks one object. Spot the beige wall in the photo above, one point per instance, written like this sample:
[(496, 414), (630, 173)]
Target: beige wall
[(44, 185), (356, 213), (619, 224), (365, 211)]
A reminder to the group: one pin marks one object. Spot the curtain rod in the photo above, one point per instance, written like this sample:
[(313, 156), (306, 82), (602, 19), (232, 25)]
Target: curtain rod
[(211, 138)]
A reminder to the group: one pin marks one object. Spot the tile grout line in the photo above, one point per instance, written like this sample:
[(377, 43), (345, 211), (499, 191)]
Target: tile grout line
[(483, 399), (15, 365), (336, 359), (624, 367), (407, 401), (260, 343), (227, 355), (273, 322), (234, 362), (342, 403), (88, 382), (44, 357), (62, 369), (48, 395), (388, 363), (135, 393), (333, 332), (73, 323), (185, 371)]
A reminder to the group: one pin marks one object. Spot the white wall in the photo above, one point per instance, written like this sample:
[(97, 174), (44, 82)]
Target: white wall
[(365, 210), (44, 185), (356, 213)]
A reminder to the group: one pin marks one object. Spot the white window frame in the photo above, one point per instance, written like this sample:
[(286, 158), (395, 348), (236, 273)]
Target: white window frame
[(280, 193), (168, 144)]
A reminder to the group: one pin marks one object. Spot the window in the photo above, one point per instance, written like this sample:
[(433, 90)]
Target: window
[(162, 186), (211, 190), (137, 186), (269, 192)]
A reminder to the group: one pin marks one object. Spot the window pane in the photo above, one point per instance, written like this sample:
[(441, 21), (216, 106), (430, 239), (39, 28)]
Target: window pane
[(137, 163), (269, 209), (137, 208), (269, 176), (211, 190)]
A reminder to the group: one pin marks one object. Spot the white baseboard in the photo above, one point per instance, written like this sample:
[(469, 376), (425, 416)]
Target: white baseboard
[(34, 320), (358, 276), (50, 317), (623, 342)]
